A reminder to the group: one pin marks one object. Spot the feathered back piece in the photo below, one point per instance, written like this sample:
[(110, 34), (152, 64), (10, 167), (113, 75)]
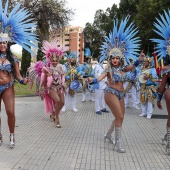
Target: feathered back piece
[(121, 41), (17, 27), (51, 49), (72, 55), (162, 29), (87, 53)]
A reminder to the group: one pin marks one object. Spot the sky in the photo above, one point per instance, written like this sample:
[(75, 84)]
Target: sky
[(86, 9)]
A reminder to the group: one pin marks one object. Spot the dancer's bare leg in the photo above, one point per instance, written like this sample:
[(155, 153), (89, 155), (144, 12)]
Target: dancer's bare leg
[(8, 97), (167, 99), (59, 103), (117, 108)]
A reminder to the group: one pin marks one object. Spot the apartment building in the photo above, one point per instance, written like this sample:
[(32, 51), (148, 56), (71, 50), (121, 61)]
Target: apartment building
[(71, 37)]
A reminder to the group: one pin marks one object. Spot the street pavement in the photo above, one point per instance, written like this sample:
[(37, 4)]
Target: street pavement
[(79, 144)]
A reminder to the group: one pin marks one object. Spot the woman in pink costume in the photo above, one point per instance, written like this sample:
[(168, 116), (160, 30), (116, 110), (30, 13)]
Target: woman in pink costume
[(51, 79)]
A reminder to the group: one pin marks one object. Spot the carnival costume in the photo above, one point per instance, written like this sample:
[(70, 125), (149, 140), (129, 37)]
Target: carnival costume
[(15, 28), (148, 89), (47, 76), (120, 43), (163, 49), (73, 80), (87, 71), (132, 84)]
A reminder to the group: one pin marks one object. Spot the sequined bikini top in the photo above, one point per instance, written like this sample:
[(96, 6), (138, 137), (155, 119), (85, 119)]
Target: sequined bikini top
[(6, 66), (117, 76)]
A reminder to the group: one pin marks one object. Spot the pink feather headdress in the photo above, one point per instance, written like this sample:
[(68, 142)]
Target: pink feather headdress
[(51, 49)]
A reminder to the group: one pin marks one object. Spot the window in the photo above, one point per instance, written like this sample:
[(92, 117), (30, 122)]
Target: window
[(58, 45), (67, 45), (66, 34), (66, 39)]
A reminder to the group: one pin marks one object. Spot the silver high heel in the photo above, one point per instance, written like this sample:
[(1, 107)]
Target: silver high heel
[(168, 141), (109, 137), (118, 143), (1, 139), (12, 140), (109, 134), (164, 139)]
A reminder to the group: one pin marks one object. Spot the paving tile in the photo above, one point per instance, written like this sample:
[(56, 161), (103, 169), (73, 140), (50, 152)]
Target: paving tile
[(79, 144)]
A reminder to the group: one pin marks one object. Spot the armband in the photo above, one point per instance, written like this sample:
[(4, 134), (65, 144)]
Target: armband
[(95, 80), (159, 97), (136, 63)]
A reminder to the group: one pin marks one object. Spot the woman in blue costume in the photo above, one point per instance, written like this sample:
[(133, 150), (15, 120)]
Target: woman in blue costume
[(121, 44), (163, 52), (12, 29)]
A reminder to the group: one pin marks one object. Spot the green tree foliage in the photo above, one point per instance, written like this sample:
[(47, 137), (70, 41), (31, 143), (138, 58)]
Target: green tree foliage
[(147, 10), (25, 62), (102, 25), (142, 12)]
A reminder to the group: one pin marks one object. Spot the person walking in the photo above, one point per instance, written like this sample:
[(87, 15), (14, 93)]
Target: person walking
[(13, 30), (148, 88), (73, 81), (87, 71), (113, 49), (100, 105), (163, 49)]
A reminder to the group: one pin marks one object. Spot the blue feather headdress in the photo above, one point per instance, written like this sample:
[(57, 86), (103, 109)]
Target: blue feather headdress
[(162, 29), (73, 55), (87, 53), (16, 27), (121, 41)]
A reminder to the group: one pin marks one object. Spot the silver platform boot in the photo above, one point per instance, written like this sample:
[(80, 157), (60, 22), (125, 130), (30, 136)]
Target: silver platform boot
[(168, 141), (1, 139), (118, 143), (12, 140), (164, 139), (109, 134)]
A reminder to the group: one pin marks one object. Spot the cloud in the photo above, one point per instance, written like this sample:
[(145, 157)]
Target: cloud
[(86, 9)]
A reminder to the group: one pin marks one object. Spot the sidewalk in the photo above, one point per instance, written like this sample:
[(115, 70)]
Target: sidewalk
[(79, 144)]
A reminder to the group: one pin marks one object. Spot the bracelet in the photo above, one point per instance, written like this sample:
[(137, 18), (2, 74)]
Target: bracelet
[(21, 82), (159, 96)]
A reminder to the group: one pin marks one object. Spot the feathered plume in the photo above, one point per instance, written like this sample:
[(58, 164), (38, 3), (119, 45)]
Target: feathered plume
[(122, 41), (17, 27), (162, 29)]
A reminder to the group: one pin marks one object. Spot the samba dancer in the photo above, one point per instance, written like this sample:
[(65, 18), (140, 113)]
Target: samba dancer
[(50, 79), (148, 88), (117, 47), (73, 81), (163, 52), (15, 28), (87, 71)]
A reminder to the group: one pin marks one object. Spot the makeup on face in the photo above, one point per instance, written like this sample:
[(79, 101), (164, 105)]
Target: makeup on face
[(115, 60), (3, 46)]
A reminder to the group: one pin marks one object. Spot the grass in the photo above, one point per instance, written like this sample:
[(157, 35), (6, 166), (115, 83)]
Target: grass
[(24, 89)]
